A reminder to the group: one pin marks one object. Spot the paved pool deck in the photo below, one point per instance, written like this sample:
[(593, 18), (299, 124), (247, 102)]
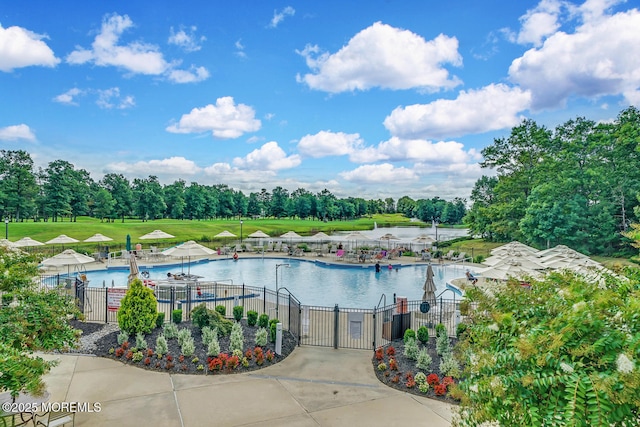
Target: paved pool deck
[(313, 386)]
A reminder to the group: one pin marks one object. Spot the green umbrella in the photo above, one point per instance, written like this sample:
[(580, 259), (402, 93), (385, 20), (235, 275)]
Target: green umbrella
[(128, 244)]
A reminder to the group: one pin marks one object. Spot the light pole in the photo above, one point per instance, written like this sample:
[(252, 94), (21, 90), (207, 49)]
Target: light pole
[(277, 289), (240, 231), (6, 228)]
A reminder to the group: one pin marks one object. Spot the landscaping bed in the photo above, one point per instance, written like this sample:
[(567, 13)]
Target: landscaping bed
[(402, 376), (197, 363)]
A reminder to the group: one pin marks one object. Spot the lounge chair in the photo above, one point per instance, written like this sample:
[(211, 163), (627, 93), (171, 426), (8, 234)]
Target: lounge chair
[(449, 255), (459, 257), (55, 419), (339, 253)]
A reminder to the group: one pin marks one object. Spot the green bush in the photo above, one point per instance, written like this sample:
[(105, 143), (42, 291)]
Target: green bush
[(261, 337), (217, 321), (159, 319), (423, 334), (170, 330), (141, 343), (252, 317), (273, 328), (441, 329), (221, 309), (138, 309), (478, 259), (200, 316), (176, 315), (411, 348), (263, 321), (162, 347), (461, 329), (238, 312), (236, 340), (409, 334), (122, 337)]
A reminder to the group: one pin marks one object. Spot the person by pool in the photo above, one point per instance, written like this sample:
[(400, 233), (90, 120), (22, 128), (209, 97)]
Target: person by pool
[(235, 256), (470, 277), (377, 267)]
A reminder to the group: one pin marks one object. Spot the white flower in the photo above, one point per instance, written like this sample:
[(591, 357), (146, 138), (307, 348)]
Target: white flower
[(566, 367), (494, 327), (625, 365), (579, 306), (474, 388)]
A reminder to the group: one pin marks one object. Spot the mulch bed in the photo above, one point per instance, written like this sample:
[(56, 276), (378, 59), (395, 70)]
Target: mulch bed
[(196, 364), (408, 366)]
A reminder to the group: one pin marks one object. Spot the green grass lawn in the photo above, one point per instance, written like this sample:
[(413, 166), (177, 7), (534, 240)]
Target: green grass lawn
[(202, 231)]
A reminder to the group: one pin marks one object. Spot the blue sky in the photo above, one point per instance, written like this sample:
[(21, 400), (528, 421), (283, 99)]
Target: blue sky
[(373, 99)]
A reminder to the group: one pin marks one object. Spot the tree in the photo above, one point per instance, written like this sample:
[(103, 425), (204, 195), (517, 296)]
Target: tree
[(17, 183), (138, 309), (174, 197), (149, 198), (120, 189), (34, 320), (563, 351), (104, 204)]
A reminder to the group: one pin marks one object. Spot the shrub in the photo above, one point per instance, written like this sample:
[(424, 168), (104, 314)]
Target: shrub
[(441, 329), (238, 312), (140, 341), (138, 309), (188, 347), (213, 349), (424, 360), (221, 309), (208, 335), (236, 341), (217, 321), (442, 344), (170, 330), (263, 321), (161, 346), (393, 364), (270, 355), (379, 353), (261, 337), (252, 318), (122, 337), (449, 366), (411, 349), (433, 379), (183, 335), (200, 316), (273, 328), (382, 366), (391, 351), (176, 315), (461, 329), (409, 334), (159, 319), (137, 356), (421, 378), (423, 334)]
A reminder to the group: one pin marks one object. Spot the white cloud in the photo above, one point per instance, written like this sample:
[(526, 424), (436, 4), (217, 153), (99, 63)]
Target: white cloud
[(134, 57), (414, 150), (111, 98), (493, 107), (595, 60), (188, 41), (20, 47), (386, 57), (224, 172), (17, 132), (268, 157), (193, 75), (327, 143), (69, 96), (382, 174), (170, 166), (539, 22), (225, 120), (240, 49), (278, 17)]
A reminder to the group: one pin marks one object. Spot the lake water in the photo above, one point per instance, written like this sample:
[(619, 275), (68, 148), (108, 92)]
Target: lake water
[(313, 283)]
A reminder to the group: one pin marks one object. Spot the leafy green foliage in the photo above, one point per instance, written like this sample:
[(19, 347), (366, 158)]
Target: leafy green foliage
[(176, 315), (35, 320), (252, 317), (141, 343), (411, 349), (236, 340), (238, 312), (170, 330), (423, 334), (160, 319), (138, 309), (261, 337), (263, 321), (564, 352), (409, 334), (200, 316), (221, 309), (424, 360), (273, 329), (162, 347)]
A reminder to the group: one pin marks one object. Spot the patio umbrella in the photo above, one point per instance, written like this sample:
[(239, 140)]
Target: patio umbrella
[(429, 286), (26, 242), (225, 233), (388, 237), (68, 257), (508, 269), (189, 249), (133, 269), (156, 234), (528, 261), (62, 239), (7, 243), (259, 235), (98, 238), (291, 235), (128, 243), (355, 236)]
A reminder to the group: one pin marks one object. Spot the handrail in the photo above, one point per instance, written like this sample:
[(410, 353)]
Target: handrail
[(385, 301)]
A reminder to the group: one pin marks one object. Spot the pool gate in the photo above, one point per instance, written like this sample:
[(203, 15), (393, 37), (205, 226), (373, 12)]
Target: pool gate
[(337, 327)]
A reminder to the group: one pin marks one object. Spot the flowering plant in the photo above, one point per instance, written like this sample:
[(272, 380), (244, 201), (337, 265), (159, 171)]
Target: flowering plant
[(391, 351), (433, 379), (561, 353)]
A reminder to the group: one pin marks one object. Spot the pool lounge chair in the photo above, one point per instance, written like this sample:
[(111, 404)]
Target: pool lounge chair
[(449, 255), (459, 257)]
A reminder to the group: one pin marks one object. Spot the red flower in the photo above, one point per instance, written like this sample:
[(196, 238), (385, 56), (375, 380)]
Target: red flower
[(379, 353), (125, 345), (447, 381), (149, 352), (232, 362), (169, 358), (147, 361), (432, 379), (440, 389), (391, 351), (248, 354), (393, 365), (411, 383)]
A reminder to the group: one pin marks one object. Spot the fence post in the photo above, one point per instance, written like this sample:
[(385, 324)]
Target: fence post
[(374, 328), (172, 300), (106, 305), (264, 299), (336, 316), (289, 314)]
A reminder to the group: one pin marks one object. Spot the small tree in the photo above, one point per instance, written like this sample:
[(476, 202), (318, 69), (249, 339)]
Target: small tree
[(138, 309)]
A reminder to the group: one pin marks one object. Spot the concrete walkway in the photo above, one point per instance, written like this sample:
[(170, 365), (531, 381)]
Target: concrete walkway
[(314, 386)]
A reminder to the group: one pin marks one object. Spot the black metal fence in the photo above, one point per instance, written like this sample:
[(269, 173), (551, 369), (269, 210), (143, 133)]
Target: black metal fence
[(336, 327)]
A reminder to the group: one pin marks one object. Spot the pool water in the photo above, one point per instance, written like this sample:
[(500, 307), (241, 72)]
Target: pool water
[(312, 283)]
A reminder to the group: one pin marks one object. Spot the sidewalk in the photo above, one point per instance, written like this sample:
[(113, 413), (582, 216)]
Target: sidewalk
[(314, 386)]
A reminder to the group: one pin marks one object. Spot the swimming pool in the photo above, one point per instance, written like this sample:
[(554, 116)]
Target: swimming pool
[(313, 283)]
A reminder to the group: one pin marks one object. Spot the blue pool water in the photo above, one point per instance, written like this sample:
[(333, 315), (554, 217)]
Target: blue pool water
[(312, 283)]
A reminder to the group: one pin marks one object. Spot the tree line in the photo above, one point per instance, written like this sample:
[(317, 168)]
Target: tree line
[(576, 185), (61, 191)]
